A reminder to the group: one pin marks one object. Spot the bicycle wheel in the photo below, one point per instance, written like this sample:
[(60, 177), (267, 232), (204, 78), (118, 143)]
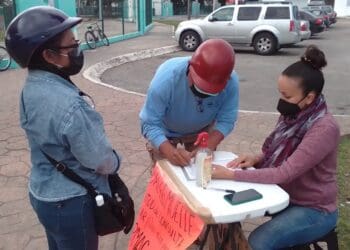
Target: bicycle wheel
[(104, 39), (5, 59), (90, 39)]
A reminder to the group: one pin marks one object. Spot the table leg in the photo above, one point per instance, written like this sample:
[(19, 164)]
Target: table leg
[(216, 239), (214, 229), (205, 237), (226, 238)]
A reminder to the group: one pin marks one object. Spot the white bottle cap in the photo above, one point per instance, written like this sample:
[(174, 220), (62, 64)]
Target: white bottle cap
[(99, 200), (117, 197)]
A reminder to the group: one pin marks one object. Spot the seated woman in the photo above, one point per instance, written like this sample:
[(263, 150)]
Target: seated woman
[(300, 155)]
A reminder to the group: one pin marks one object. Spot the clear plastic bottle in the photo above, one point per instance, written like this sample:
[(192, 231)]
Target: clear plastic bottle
[(203, 160)]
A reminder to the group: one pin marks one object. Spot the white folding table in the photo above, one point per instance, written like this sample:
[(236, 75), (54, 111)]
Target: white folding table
[(209, 203)]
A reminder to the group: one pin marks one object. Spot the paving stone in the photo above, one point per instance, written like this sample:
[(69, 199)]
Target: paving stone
[(17, 181), (37, 244), (15, 241), (4, 160), (3, 150), (17, 145), (37, 231), (12, 193), (14, 169), (3, 181), (14, 207)]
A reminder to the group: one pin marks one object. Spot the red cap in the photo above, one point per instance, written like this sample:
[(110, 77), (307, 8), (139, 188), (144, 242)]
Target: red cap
[(211, 65)]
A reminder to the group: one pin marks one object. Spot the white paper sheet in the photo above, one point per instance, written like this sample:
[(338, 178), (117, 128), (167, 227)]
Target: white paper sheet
[(220, 158)]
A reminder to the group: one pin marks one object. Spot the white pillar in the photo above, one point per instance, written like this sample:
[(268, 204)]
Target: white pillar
[(51, 3)]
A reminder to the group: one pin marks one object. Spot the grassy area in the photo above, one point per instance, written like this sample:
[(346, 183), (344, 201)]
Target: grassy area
[(343, 227), (2, 34), (169, 22)]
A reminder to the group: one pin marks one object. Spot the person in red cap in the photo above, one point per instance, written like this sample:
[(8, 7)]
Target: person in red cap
[(189, 95)]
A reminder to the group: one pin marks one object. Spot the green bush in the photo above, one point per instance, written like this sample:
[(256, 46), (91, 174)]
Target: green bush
[(343, 175), (174, 23), (2, 34)]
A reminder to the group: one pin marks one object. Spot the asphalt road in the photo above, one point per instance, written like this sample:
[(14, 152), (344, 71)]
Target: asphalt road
[(258, 74)]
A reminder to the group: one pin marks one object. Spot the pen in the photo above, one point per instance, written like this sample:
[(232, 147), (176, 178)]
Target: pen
[(223, 189)]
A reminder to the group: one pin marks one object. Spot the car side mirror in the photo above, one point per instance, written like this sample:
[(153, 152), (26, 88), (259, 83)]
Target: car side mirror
[(211, 19)]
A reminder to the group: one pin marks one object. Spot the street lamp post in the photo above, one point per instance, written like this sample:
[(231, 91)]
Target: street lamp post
[(189, 4), (100, 14)]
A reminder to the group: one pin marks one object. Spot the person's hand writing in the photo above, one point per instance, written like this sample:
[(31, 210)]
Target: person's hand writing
[(243, 161), (220, 172), (176, 156), (194, 152)]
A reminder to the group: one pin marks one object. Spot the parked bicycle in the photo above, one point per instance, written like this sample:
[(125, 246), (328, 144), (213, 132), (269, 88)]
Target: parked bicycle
[(94, 34), (5, 59)]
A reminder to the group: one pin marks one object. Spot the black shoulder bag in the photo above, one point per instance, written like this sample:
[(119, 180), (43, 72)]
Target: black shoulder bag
[(117, 213)]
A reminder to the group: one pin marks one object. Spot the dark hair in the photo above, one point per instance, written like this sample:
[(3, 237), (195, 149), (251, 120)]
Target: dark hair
[(308, 70), (37, 61)]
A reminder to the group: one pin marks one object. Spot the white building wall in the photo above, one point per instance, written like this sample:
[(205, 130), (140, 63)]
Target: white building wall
[(157, 5), (300, 3), (131, 9), (342, 7)]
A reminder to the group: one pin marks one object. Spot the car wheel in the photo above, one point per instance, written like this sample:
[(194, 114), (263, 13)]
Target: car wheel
[(265, 44), (190, 40)]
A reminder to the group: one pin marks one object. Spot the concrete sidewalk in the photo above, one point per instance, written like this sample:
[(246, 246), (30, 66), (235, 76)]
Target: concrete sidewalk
[(19, 227)]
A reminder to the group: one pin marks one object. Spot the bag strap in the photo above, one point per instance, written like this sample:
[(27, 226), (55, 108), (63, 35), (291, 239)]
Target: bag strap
[(61, 167), (70, 174)]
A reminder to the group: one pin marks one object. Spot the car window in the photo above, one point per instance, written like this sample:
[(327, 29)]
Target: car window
[(317, 12), (296, 12), (328, 9), (317, 2), (314, 7), (277, 13), (248, 13), (302, 15), (307, 15), (225, 14)]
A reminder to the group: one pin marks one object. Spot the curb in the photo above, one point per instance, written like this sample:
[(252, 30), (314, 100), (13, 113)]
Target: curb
[(95, 72)]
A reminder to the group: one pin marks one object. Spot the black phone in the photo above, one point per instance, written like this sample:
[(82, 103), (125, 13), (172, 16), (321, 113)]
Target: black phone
[(243, 196)]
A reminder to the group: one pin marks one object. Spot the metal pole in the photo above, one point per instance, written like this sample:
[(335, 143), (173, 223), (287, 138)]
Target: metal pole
[(189, 4), (100, 14), (123, 17)]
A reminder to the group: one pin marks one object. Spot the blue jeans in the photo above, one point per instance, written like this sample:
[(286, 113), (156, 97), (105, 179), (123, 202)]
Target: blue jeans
[(295, 225), (69, 224)]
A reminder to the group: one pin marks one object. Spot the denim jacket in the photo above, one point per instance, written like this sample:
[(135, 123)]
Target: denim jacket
[(58, 120)]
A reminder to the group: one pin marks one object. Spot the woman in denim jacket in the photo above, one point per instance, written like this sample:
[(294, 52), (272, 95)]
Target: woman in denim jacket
[(59, 121)]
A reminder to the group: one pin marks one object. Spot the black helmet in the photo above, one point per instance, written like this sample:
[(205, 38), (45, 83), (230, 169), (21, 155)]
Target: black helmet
[(33, 28)]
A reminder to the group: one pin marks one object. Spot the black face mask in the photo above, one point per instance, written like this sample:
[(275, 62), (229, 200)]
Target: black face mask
[(197, 93), (287, 108), (76, 62)]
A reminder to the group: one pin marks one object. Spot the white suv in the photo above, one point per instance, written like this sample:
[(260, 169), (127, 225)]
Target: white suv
[(265, 26)]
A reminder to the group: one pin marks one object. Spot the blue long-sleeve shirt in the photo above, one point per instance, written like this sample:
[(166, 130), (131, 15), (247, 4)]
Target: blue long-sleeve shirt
[(172, 110)]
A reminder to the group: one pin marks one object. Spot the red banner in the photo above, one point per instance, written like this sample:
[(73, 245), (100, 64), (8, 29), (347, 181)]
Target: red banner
[(164, 221)]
